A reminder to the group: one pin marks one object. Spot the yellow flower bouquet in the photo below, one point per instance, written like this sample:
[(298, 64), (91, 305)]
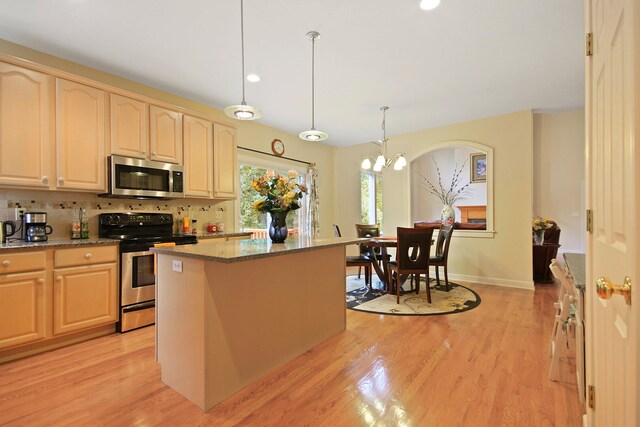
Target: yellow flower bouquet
[(281, 193)]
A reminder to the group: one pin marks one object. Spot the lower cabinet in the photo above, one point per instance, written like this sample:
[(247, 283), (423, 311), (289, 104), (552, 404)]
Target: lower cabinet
[(84, 297), (22, 308), (45, 294)]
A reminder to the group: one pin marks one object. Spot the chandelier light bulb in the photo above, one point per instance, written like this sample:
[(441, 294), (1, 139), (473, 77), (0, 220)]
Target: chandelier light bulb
[(429, 4), (381, 160), (400, 163), (377, 167), (366, 164)]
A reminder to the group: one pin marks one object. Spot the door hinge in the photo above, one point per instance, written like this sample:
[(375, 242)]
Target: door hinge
[(588, 44), (589, 221), (591, 397)]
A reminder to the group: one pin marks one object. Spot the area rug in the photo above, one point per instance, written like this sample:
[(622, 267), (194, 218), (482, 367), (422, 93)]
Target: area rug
[(457, 300)]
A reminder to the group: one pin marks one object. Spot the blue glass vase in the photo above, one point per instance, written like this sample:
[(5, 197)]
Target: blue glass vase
[(278, 227)]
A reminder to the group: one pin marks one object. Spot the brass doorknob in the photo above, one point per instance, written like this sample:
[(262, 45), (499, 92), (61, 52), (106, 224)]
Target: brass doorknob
[(606, 289)]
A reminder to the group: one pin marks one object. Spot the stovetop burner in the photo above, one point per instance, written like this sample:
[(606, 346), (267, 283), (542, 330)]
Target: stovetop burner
[(141, 230)]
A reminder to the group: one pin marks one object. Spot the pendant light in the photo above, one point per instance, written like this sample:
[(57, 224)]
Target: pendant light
[(398, 161), (313, 134), (242, 111)]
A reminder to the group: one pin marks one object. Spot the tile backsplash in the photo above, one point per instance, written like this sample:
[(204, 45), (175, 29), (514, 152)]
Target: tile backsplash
[(60, 206)]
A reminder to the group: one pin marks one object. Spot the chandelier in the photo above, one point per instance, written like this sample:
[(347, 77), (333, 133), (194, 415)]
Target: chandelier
[(383, 160)]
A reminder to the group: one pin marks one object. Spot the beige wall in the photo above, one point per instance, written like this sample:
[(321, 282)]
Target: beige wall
[(503, 259), (250, 134), (558, 174)]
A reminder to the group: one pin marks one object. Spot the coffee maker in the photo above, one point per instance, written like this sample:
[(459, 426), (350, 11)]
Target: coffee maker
[(35, 227)]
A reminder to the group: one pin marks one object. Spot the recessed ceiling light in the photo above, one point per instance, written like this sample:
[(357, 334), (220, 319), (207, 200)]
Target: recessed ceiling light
[(429, 4), (253, 78)]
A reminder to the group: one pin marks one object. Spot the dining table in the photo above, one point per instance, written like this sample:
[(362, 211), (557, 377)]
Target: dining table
[(381, 259)]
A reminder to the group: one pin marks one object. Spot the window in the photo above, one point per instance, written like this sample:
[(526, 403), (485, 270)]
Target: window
[(371, 198), (258, 222)]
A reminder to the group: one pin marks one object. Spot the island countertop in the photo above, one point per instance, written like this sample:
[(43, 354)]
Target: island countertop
[(243, 250)]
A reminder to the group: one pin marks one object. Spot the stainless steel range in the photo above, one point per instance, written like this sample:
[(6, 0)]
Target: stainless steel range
[(138, 232)]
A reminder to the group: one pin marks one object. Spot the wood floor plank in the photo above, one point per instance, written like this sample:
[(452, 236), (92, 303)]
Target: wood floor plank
[(484, 367)]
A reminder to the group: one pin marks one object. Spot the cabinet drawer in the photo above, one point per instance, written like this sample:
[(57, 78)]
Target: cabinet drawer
[(85, 255), (23, 261)]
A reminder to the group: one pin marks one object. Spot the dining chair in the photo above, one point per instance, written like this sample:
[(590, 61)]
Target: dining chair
[(370, 230), (442, 253), (358, 261), (412, 257)]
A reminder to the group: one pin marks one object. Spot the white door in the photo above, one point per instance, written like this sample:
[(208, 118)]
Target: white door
[(613, 161)]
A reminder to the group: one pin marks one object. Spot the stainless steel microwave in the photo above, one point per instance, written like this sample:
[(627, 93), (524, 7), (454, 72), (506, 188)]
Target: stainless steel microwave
[(143, 179)]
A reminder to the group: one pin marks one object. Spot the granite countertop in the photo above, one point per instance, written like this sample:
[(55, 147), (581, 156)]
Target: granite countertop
[(244, 250), (576, 265), (58, 243), (223, 234)]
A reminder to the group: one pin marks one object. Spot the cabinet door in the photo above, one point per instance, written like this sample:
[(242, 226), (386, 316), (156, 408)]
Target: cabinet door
[(128, 126), (224, 162), (198, 157), (22, 309), (80, 141), (165, 135), (25, 114), (84, 297)]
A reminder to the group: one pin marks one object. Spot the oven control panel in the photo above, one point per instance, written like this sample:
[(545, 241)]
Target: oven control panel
[(135, 218)]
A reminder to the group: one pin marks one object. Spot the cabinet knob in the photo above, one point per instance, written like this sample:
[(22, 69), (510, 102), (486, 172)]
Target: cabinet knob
[(41, 281), (88, 255), (61, 180), (59, 278), (6, 263), (154, 153), (45, 179)]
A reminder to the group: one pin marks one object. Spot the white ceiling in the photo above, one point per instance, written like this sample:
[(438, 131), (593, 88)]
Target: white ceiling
[(465, 60)]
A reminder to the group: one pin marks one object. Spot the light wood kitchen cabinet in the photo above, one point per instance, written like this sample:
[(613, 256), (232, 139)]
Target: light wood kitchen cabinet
[(129, 122), (165, 135), (224, 162), (198, 157), (145, 131), (22, 297), (84, 297), (80, 136), (25, 120)]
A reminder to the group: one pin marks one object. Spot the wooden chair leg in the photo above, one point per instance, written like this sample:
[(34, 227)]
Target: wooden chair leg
[(446, 277), (417, 283), (359, 271), (398, 288), (438, 274), (371, 276), (427, 286), (366, 277)]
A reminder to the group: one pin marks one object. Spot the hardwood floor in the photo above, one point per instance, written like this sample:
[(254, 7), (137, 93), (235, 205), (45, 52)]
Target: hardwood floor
[(485, 367)]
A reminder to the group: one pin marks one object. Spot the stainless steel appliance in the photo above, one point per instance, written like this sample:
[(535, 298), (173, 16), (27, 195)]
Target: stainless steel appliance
[(139, 232), (35, 227), (144, 179)]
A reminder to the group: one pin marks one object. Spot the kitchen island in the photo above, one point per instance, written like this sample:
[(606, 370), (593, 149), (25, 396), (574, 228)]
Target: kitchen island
[(227, 314)]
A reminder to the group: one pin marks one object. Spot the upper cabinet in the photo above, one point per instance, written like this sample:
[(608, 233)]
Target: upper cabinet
[(129, 122), (80, 136), (145, 131), (26, 111), (198, 157), (224, 162), (165, 135)]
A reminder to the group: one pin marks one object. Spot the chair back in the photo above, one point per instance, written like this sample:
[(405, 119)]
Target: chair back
[(336, 230), (444, 240), (552, 234), (414, 247), (368, 230)]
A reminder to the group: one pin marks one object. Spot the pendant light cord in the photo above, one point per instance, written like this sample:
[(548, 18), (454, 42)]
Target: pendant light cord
[(242, 43), (313, 83)]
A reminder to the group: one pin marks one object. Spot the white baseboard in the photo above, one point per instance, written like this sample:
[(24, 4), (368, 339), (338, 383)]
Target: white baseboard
[(492, 281)]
